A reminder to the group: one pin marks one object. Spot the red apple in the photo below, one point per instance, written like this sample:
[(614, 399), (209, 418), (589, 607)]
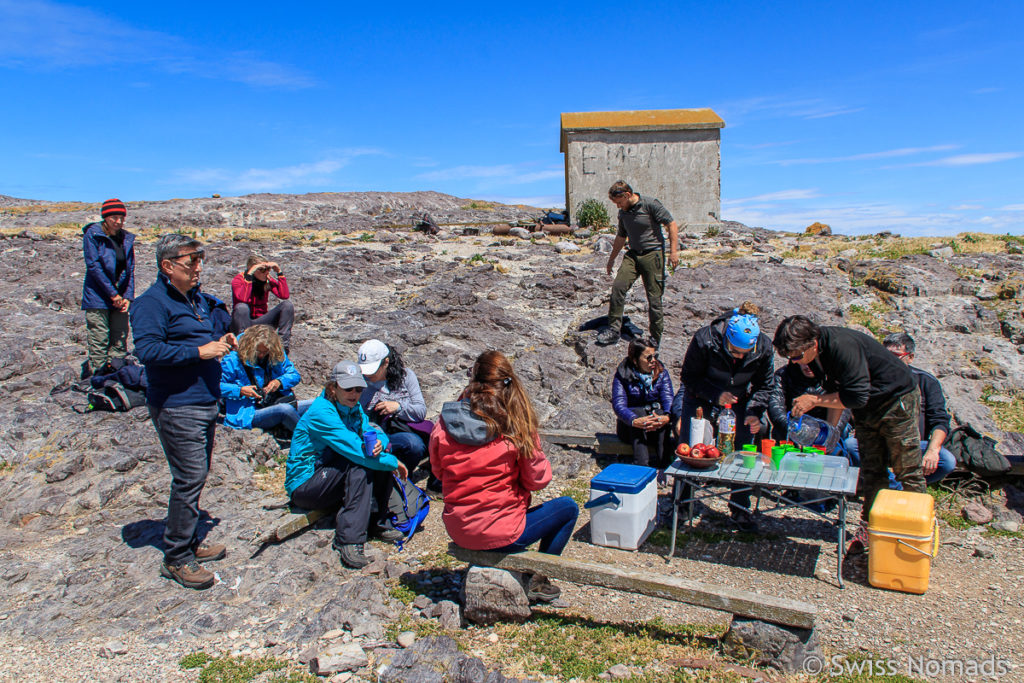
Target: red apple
[(683, 449)]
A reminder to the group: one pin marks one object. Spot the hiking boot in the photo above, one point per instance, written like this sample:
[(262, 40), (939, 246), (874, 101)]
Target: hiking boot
[(859, 544), (387, 533), (210, 552), (745, 521), (434, 491), (607, 337), (188, 574), (542, 590), (352, 555)]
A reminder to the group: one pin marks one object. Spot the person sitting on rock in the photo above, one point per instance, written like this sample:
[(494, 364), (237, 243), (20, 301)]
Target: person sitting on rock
[(933, 421), (393, 399), (256, 382), (109, 286), (642, 399), (249, 293), (328, 465), (486, 452)]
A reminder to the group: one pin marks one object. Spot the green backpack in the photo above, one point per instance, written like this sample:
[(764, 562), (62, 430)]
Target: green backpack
[(976, 451)]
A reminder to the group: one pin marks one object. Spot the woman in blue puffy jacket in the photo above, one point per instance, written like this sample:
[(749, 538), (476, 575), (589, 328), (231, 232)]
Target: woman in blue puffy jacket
[(259, 370), (642, 397), (109, 252)]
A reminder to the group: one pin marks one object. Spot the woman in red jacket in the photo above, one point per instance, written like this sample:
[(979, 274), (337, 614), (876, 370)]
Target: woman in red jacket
[(249, 293), (486, 452)]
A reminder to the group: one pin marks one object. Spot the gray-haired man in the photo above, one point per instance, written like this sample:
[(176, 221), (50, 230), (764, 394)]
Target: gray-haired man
[(174, 339)]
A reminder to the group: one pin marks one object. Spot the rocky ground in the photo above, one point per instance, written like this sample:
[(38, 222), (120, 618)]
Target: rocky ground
[(82, 496)]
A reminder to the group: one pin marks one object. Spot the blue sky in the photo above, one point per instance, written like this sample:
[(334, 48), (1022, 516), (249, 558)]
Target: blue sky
[(867, 116)]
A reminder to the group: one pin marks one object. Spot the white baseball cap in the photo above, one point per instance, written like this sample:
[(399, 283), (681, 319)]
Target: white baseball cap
[(371, 354)]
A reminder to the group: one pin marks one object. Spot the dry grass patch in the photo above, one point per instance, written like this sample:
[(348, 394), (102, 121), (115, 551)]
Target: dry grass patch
[(571, 647)]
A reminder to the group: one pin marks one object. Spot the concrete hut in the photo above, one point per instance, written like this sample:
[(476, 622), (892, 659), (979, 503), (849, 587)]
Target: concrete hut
[(671, 154)]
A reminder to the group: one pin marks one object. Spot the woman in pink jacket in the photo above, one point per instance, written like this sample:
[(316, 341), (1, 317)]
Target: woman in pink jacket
[(486, 452), (250, 291)]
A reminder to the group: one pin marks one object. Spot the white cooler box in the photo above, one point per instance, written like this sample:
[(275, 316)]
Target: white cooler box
[(623, 506)]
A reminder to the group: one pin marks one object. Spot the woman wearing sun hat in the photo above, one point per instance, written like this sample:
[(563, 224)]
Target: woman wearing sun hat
[(109, 286), (729, 362)]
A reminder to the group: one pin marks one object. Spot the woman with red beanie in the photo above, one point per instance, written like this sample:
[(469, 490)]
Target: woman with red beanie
[(109, 287)]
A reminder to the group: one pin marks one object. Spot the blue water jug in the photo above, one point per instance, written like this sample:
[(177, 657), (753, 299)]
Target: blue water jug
[(810, 431)]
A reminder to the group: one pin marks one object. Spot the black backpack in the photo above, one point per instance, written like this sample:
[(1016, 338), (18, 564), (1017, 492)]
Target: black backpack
[(976, 451), (114, 397)]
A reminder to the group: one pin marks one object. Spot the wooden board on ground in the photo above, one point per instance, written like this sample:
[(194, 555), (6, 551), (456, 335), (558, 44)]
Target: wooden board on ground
[(291, 523), (739, 602), (602, 443)]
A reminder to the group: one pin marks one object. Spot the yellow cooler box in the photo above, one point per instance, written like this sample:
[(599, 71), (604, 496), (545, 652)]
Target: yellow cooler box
[(903, 540)]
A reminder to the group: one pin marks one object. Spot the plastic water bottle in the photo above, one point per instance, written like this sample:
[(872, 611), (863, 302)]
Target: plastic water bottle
[(726, 430), (810, 431)]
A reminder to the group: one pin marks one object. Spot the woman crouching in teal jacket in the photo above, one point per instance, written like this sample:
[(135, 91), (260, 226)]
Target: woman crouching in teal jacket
[(328, 465)]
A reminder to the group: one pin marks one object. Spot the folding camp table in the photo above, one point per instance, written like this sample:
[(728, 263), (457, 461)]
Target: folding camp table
[(765, 482)]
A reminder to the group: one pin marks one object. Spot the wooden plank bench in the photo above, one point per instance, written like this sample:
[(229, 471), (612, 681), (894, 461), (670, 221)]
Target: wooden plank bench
[(602, 443), (738, 602)]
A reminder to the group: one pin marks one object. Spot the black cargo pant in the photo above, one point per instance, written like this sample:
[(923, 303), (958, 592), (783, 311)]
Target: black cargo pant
[(888, 436), (650, 267), (354, 487)]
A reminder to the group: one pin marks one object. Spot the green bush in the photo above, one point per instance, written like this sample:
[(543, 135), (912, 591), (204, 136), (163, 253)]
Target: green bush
[(592, 214)]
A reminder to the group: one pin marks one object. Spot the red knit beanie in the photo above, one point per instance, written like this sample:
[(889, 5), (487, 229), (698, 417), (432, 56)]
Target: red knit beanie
[(113, 207)]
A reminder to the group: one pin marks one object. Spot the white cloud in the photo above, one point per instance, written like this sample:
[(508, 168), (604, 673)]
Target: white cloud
[(871, 218), (310, 174), (971, 159), (966, 207), (48, 35), (1011, 207), (507, 174), (867, 156), (828, 113), (780, 196), (547, 201)]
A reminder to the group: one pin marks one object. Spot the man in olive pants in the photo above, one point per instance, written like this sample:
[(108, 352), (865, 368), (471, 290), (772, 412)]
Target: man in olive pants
[(640, 222), (859, 373)]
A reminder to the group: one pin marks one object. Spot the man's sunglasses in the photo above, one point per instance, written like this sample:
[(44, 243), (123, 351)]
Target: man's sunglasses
[(194, 257)]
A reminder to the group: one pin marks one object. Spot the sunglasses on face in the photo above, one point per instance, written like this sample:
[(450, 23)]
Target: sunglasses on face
[(193, 257), (649, 357), (798, 356), (350, 389)]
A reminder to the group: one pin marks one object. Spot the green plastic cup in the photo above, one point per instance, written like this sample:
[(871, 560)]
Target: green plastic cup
[(749, 460), (749, 447)]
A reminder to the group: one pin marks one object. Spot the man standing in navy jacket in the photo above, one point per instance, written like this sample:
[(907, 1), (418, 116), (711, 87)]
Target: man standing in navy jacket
[(174, 339), (109, 285)]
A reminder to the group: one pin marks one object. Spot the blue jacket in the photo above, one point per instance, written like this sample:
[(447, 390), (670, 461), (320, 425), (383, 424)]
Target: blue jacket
[(239, 410), (168, 329), (100, 265), (326, 431), (629, 395)]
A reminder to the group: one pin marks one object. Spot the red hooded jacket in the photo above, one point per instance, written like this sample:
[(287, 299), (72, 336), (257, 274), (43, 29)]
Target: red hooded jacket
[(486, 485)]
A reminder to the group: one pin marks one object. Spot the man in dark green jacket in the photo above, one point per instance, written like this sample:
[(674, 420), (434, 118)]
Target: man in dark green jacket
[(640, 223), (859, 373)]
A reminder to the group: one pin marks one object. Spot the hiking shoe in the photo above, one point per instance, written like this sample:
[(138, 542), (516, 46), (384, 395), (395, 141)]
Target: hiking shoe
[(352, 555), (188, 574), (859, 544), (387, 533), (542, 590), (210, 552), (607, 337), (434, 491), (745, 522)]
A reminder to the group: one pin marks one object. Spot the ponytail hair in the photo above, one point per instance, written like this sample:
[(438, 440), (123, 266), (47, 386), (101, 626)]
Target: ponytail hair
[(499, 398)]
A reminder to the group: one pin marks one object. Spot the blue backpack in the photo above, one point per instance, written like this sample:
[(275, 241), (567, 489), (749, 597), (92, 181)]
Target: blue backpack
[(408, 506)]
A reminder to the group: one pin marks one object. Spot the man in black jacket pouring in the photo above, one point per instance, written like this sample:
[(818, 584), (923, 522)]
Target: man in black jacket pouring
[(859, 373)]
